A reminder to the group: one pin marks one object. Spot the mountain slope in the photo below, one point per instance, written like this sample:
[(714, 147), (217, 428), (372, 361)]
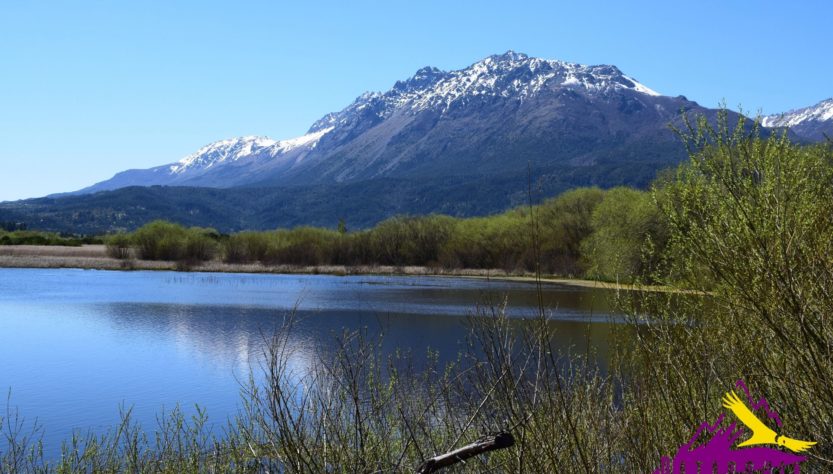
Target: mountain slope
[(810, 123), (360, 204), (224, 163)]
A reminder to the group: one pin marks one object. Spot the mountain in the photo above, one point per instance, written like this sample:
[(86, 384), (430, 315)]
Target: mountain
[(462, 142), (494, 117), (810, 123)]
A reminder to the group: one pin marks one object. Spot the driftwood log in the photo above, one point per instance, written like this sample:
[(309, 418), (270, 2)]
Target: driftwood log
[(482, 445)]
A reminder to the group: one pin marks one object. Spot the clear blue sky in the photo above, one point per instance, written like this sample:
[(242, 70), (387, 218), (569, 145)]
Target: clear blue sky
[(91, 88)]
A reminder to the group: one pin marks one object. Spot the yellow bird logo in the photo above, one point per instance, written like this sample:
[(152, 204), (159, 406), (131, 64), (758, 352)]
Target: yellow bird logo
[(761, 433)]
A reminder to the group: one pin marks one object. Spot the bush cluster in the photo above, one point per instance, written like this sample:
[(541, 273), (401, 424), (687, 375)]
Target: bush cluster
[(160, 240)]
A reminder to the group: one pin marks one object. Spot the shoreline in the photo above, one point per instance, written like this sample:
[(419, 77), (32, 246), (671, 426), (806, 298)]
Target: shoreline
[(94, 257)]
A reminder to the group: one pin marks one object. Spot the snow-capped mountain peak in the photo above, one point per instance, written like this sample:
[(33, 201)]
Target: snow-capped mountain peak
[(811, 123), (511, 75), (821, 112)]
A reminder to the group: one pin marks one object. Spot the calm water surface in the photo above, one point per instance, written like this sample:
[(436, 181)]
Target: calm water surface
[(75, 345)]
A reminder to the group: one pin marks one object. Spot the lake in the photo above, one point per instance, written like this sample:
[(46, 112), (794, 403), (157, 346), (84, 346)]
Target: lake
[(76, 345)]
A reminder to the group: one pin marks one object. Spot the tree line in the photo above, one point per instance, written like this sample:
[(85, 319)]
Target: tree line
[(582, 232), (17, 235)]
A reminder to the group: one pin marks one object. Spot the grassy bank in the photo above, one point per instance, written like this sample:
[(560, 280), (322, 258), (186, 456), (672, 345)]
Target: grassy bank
[(96, 257)]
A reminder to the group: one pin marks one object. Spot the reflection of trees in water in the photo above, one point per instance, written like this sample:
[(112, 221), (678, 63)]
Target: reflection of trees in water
[(235, 337)]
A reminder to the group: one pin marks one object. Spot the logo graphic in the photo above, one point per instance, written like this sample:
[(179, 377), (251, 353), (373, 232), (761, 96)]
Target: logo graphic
[(763, 449)]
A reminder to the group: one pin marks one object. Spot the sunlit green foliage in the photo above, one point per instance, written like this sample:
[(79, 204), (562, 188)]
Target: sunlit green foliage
[(751, 223), (563, 224), (585, 231), (160, 240), (623, 224)]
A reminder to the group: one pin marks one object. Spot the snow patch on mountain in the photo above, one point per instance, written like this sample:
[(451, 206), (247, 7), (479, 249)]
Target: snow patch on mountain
[(221, 151), (235, 149), (821, 112), (309, 140)]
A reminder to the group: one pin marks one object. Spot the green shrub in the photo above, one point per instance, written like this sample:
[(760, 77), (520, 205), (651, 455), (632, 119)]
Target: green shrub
[(410, 240), (160, 240), (750, 221), (118, 246), (200, 245), (245, 247)]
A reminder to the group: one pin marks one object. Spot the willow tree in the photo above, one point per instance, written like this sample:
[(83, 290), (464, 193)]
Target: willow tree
[(750, 219)]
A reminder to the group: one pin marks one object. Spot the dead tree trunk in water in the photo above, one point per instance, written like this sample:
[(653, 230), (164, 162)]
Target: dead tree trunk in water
[(482, 445)]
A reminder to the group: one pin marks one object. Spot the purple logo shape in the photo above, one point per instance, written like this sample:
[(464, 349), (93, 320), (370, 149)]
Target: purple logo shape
[(711, 448)]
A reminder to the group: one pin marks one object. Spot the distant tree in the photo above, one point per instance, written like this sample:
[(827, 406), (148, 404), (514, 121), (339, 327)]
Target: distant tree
[(118, 245), (161, 240)]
